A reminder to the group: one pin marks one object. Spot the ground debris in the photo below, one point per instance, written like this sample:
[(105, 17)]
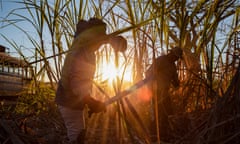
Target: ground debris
[(31, 129), (218, 124), (9, 132)]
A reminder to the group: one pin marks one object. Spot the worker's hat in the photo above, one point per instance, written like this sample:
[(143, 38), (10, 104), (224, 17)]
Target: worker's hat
[(83, 25)]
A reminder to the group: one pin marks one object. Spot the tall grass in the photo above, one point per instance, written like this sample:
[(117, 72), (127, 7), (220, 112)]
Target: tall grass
[(151, 28)]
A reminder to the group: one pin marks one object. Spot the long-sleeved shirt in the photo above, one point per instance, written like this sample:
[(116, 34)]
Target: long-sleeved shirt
[(77, 75), (165, 73)]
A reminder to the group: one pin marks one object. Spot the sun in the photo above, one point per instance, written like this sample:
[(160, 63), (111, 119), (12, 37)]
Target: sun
[(107, 71)]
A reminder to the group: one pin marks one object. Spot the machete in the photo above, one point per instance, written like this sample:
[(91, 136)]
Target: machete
[(127, 91)]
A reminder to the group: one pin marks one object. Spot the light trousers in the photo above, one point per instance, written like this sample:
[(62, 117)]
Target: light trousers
[(74, 121)]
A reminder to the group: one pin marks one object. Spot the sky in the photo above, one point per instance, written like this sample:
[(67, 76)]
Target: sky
[(13, 34), (10, 32)]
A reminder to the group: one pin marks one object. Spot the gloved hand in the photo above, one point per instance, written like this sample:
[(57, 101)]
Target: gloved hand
[(94, 106), (119, 43)]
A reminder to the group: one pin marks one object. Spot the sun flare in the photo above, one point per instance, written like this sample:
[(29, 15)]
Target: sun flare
[(108, 71)]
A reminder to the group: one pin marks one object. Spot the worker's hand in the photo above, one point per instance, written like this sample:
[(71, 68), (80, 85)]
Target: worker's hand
[(94, 106), (119, 43)]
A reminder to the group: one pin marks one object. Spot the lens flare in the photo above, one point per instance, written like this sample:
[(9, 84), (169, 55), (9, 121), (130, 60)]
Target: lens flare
[(144, 94), (108, 71)]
